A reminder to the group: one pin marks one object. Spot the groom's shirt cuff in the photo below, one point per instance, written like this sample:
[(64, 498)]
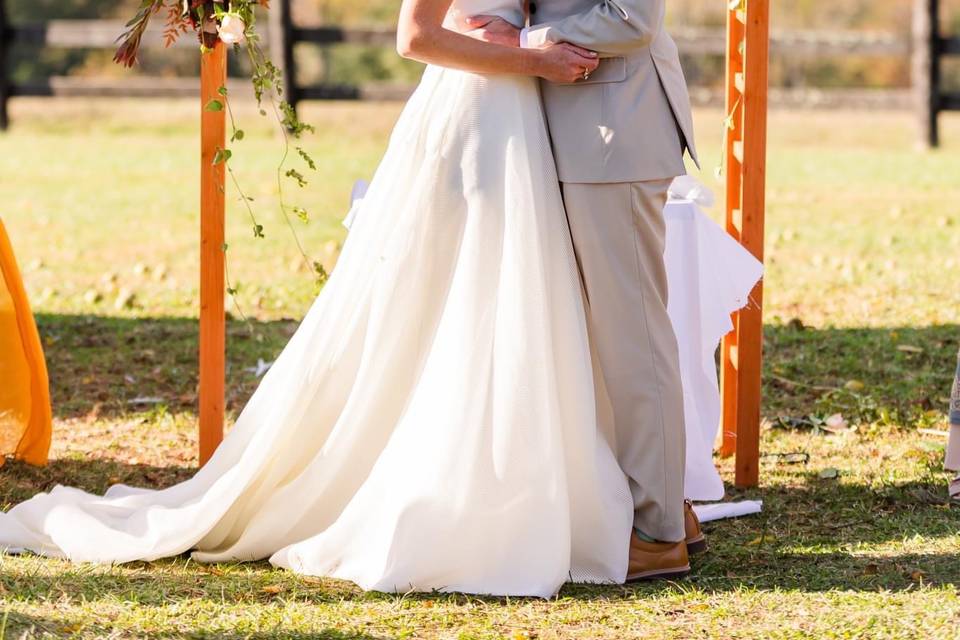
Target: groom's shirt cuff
[(534, 37)]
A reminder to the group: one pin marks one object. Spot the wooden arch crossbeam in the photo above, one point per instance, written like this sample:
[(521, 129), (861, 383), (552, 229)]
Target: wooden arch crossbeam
[(745, 145)]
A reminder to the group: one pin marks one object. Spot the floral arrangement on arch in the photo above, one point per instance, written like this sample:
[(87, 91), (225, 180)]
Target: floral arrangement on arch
[(233, 22), (226, 20)]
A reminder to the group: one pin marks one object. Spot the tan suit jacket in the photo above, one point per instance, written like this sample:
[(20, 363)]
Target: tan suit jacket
[(630, 121)]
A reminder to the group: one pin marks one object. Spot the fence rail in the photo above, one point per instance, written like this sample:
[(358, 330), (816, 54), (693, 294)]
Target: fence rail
[(710, 41), (283, 36), (83, 34), (382, 37)]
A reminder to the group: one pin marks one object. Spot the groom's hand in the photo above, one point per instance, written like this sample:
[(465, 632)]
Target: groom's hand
[(493, 29)]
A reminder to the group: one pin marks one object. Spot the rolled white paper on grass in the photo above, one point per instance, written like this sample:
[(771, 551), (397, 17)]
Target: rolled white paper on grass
[(723, 510)]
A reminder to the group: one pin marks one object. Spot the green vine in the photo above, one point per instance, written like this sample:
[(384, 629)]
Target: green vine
[(234, 22)]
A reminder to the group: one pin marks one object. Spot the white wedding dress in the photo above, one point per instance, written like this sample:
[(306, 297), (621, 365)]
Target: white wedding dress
[(432, 423)]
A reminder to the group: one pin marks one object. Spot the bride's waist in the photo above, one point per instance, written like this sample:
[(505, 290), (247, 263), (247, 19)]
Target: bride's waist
[(466, 98), (437, 73)]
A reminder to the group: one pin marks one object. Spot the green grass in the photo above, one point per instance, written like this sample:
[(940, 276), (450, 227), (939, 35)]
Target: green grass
[(861, 318)]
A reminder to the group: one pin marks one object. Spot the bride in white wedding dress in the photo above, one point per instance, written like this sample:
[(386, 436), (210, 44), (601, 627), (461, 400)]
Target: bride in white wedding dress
[(432, 423)]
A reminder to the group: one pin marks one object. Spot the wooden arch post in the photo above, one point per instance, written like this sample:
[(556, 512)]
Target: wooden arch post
[(748, 34), (213, 131)]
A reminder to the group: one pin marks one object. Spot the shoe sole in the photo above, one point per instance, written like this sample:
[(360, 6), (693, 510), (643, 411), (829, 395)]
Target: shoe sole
[(660, 574), (697, 545)]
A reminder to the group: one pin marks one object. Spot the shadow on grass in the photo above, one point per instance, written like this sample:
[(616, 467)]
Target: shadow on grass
[(813, 537), (822, 535), (111, 366), (815, 534), (895, 373), (103, 364), (19, 481)]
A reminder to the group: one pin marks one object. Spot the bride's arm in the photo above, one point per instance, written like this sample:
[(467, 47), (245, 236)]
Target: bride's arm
[(421, 36)]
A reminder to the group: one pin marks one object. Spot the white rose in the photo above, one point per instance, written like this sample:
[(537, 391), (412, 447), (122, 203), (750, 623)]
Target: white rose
[(231, 29)]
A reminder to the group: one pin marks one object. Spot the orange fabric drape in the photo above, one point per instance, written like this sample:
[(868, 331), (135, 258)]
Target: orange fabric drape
[(25, 417)]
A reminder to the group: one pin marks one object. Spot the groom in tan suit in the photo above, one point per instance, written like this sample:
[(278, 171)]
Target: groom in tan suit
[(619, 135)]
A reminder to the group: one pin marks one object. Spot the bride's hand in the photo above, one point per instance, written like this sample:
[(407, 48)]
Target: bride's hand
[(565, 62)]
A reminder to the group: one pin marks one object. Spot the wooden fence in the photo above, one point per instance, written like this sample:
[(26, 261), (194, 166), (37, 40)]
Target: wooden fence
[(283, 36), (929, 94)]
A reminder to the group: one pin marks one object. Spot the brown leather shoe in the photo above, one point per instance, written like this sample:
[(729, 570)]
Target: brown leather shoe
[(656, 560), (696, 541)]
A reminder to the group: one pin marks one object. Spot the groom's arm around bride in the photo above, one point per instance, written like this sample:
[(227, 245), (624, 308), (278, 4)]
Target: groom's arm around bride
[(611, 28)]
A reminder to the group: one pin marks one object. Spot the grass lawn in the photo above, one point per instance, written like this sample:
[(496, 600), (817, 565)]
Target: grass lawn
[(100, 200)]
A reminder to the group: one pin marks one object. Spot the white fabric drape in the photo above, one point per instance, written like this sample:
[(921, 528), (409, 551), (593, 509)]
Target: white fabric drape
[(710, 276)]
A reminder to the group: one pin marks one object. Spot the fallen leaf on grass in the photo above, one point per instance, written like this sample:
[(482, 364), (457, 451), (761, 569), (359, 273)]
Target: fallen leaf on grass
[(829, 474), (854, 385), (272, 589), (126, 299), (871, 569), (909, 348), (94, 413), (261, 368), (835, 424), (796, 324), (92, 296)]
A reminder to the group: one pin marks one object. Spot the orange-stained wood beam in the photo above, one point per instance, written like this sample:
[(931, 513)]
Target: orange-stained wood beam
[(734, 112), (213, 133), (750, 325)]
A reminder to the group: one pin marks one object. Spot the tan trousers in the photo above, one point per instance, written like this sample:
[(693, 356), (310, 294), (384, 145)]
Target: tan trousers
[(618, 235)]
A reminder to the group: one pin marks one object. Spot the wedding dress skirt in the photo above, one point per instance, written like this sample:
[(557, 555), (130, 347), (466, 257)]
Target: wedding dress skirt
[(432, 423)]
